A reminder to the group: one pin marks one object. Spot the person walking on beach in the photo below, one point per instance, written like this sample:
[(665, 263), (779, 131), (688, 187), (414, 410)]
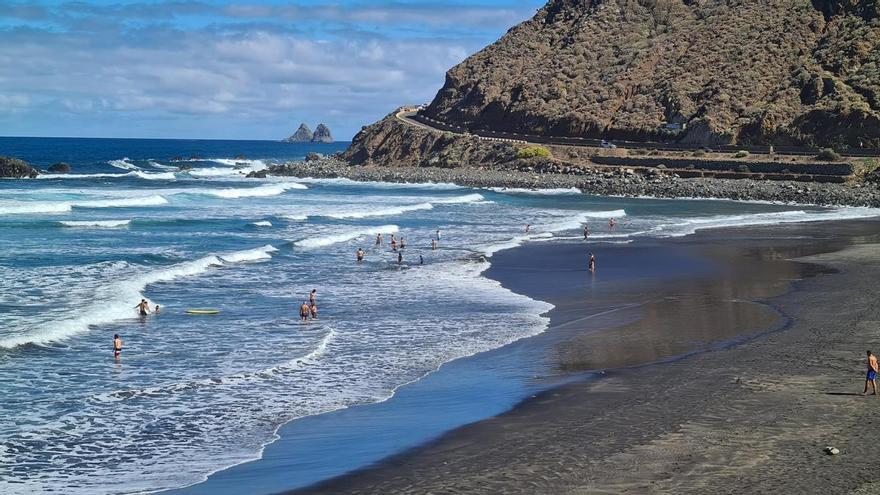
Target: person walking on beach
[(117, 346), (592, 263), (871, 377), (143, 307), (304, 312), (360, 255)]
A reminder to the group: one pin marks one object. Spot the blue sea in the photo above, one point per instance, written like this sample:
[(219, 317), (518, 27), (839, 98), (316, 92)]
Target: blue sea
[(177, 223)]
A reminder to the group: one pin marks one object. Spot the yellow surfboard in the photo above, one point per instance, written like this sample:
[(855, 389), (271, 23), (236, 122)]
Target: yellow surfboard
[(202, 311)]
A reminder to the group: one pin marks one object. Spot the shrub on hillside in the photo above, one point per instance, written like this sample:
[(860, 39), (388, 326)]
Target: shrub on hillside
[(533, 152), (828, 155), (743, 169), (741, 154)]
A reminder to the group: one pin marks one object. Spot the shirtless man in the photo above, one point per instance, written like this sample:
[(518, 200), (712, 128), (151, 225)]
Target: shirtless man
[(433, 244), (117, 346), (143, 307), (360, 255), (592, 263), (304, 311), (871, 377), (378, 239), (393, 243)]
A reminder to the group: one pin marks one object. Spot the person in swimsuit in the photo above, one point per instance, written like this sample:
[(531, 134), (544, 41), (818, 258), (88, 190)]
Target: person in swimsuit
[(421, 260), (393, 243), (313, 296), (402, 243), (156, 310), (117, 346), (143, 307), (871, 377), (438, 234), (399, 257), (592, 263), (528, 226), (304, 311), (378, 239), (586, 232), (313, 309), (360, 255), (433, 244)]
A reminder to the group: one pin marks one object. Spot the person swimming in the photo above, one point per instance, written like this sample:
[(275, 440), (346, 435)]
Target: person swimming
[(143, 307), (612, 223), (304, 311), (360, 255), (117, 346)]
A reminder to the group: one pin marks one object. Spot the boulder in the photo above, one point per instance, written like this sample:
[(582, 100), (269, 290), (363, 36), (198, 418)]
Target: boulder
[(59, 168), (257, 174), (313, 157), (15, 168)]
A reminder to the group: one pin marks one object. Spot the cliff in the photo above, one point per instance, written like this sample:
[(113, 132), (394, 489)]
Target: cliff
[(302, 135), (796, 72)]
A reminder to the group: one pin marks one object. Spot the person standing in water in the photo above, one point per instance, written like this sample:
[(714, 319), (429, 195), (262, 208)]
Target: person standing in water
[(143, 307), (313, 309), (421, 260), (393, 243), (360, 255), (586, 232), (156, 311), (528, 226), (433, 244), (592, 263), (304, 311), (313, 296), (117, 346), (438, 235), (378, 239), (871, 377), (399, 257), (402, 243), (612, 223)]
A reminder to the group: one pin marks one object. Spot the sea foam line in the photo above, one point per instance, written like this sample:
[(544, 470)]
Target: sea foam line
[(397, 210), (107, 224), (328, 240), (66, 206)]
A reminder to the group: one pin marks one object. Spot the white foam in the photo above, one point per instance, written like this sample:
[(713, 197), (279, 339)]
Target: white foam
[(124, 164), (118, 298), (106, 224), (341, 181), (234, 168), (256, 254), (511, 243), (577, 220), (262, 223), (253, 192), (24, 208), (135, 173), (154, 200), (329, 240), (688, 226), (397, 210), (537, 192)]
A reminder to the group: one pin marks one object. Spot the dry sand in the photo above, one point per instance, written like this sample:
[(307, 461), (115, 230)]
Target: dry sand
[(752, 418)]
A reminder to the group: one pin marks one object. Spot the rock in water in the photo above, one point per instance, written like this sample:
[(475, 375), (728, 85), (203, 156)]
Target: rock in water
[(59, 168), (322, 134), (302, 135), (15, 168)]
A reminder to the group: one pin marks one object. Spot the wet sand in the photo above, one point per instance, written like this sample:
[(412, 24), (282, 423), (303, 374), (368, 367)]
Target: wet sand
[(772, 368)]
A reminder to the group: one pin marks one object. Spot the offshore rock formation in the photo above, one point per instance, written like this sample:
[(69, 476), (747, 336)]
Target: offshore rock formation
[(302, 135), (15, 168), (784, 72), (322, 134)]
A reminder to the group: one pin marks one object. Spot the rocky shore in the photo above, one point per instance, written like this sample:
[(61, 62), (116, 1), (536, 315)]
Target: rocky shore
[(599, 181)]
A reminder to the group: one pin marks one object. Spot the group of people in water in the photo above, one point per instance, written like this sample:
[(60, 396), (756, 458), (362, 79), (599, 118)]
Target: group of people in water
[(398, 247), (309, 309)]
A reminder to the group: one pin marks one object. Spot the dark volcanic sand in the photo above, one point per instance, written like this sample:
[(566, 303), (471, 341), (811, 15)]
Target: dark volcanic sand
[(746, 418)]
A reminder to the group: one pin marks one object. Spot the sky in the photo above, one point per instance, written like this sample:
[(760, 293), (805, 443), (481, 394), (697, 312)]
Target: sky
[(230, 69)]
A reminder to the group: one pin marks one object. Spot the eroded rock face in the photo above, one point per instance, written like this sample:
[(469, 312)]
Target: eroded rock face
[(322, 134), (15, 168), (802, 72), (302, 135)]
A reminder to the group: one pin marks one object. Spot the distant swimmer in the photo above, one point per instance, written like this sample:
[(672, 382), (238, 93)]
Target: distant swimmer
[(871, 377), (399, 257), (117, 346), (143, 307), (313, 309), (402, 243), (304, 311), (421, 260), (612, 223), (592, 263), (360, 255), (313, 296), (378, 239), (156, 310), (438, 234), (586, 232), (528, 227), (433, 244)]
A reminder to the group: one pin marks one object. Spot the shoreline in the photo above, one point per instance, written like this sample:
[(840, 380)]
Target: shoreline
[(559, 440), (622, 182)]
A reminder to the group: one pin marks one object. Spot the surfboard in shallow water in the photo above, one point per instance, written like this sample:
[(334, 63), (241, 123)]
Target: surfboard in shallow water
[(202, 311)]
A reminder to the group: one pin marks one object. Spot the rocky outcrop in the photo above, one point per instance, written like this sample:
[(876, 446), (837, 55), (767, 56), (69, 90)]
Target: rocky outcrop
[(15, 168), (59, 168), (322, 134), (302, 135), (784, 72)]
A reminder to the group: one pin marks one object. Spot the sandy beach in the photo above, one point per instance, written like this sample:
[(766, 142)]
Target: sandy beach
[(731, 379)]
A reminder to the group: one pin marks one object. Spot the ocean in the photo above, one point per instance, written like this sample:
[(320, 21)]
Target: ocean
[(177, 223)]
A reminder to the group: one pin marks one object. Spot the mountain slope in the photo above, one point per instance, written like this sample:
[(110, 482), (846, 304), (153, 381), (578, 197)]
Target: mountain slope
[(734, 71)]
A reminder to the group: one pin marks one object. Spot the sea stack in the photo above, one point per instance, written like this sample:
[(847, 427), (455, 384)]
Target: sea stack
[(302, 135), (322, 134), (15, 168)]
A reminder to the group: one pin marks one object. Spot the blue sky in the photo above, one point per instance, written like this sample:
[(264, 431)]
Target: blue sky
[(239, 69)]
